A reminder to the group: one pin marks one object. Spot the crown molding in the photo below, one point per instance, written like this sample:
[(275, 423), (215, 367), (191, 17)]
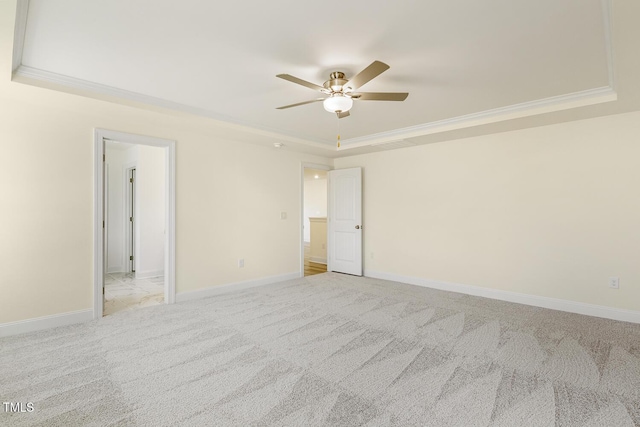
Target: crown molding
[(19, 31), (607, 18), (24, 72), (531, 108), (525, 109)]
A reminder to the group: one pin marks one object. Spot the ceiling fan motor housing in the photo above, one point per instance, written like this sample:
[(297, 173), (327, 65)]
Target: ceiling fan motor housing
[(340, 90), (336, 81)]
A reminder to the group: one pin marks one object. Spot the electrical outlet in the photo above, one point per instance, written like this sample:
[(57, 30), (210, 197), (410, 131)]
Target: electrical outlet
[(283, 215), (614, 282), (371, 255), (324, 246), (241, 263)]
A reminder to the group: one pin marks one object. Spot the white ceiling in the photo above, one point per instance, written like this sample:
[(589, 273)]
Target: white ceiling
[(459, 59)]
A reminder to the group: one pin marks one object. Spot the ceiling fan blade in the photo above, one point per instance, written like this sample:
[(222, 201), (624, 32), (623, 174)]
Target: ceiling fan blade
[(301, 82), (343, 115), (380, 96), (372, 71), (300, 103)]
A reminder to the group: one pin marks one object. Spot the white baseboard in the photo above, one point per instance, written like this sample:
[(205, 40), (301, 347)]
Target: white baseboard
[(318, 260), (150, 273), (117, 269), (45, 322), (230, 287), (533, 300)]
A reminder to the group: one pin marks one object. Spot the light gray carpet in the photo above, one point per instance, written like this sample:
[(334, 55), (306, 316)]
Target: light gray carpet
[(328, 350)]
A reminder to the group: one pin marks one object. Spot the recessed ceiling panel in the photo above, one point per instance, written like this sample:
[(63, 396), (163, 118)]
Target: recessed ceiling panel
[(454, 57)]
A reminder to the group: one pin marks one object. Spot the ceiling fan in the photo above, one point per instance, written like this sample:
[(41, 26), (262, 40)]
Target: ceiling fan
[(341, 91)]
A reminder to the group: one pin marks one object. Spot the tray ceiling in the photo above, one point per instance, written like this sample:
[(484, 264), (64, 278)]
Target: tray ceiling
[(459, 60)]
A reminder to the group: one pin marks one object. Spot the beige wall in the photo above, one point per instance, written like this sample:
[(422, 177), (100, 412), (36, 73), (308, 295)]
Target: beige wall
[(550, 211), (229, 197)]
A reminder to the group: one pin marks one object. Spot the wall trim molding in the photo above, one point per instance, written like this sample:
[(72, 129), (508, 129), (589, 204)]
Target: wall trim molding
[(531, 108), (231, 287), (607, 17), (45, 322), (619, 314), (126, 206), (318, 260), (26, 74), (19, 32), (525, 109)]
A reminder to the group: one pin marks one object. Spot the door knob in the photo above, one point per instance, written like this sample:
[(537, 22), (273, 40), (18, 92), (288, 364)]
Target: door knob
[(357, 227)]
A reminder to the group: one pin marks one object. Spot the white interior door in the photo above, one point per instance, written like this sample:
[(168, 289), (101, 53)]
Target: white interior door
[(344, 221)]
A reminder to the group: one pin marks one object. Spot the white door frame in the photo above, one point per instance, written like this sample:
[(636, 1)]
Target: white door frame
[(126, 169), (106, 216), (100, 135), (302, 168)]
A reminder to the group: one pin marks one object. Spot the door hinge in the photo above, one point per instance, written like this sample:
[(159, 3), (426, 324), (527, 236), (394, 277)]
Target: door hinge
[(131, 219), (102, 224), (130, 179), (103, 290), (104, 157), (131, 258)]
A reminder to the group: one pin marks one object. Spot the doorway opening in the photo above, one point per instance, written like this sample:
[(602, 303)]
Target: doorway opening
[(134, 226), (314, 220), (134, 221)]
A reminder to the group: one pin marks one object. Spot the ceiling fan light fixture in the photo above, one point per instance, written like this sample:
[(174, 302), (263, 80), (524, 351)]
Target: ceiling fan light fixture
[(337, 103), (341, 91)]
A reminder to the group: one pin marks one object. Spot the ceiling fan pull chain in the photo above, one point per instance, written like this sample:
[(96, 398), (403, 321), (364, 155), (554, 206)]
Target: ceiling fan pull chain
[(338, 132)]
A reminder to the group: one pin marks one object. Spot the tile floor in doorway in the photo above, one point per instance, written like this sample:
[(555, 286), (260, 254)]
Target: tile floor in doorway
[(122, 291)]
